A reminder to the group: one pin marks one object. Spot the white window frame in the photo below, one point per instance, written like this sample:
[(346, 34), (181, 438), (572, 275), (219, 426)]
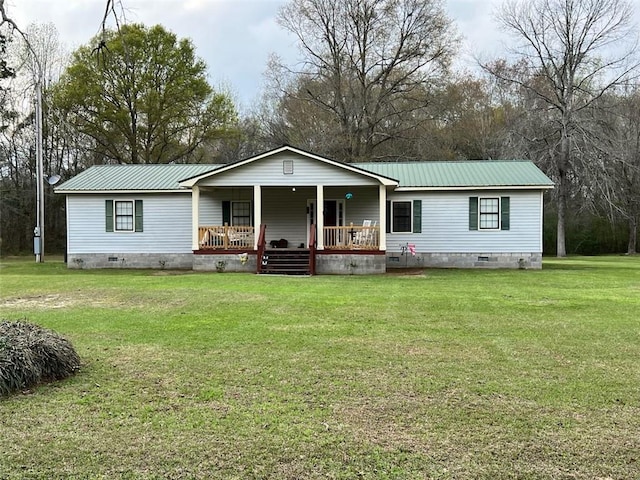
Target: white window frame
[(235, 202), (115, 216), (481, 213), (410, 202)]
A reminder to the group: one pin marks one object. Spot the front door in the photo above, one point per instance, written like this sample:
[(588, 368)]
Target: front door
[(333, 216)]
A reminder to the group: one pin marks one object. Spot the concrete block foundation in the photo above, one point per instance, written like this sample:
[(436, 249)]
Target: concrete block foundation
[(522, 260), (160, 261), (240, 262), (350, 264), (326, 263)]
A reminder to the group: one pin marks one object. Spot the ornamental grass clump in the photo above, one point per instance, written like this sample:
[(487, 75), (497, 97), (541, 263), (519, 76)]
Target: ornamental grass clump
[(30, 354)]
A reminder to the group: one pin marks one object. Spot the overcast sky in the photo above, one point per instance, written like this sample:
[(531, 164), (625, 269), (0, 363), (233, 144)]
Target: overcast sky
[(234, 37)]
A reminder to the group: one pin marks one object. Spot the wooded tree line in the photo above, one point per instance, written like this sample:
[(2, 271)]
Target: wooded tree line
[(377, 82)]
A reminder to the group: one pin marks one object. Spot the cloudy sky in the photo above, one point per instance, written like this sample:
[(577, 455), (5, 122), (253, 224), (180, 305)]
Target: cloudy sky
[(234, 37)]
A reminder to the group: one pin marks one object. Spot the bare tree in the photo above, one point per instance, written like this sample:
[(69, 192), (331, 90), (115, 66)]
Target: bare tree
[(615, 173), (368, 60), (576, 50)]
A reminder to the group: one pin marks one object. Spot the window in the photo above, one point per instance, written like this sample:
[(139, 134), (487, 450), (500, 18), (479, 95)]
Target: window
[(404, 216), (489, 213), (123, 215), (241, 213), (401, 217)]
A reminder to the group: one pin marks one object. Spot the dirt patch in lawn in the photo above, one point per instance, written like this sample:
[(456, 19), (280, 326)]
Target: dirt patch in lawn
[(81, 298), (53, 301)]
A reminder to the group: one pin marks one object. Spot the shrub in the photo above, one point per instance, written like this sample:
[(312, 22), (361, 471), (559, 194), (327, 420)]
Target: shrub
[(30, 354)]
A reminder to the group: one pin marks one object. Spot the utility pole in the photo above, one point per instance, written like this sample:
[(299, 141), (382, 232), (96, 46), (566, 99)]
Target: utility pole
[(38, 240)]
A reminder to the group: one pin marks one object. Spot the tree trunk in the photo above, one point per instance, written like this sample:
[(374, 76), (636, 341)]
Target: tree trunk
[(633, 235), (563, 190), (561, 248)]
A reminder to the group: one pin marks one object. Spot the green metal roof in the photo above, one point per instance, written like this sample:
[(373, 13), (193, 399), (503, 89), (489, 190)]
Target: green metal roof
[(453, 174), (132, 177), (476, 173)]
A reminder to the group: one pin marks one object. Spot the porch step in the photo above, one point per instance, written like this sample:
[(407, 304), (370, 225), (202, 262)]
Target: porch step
[(286, 261)]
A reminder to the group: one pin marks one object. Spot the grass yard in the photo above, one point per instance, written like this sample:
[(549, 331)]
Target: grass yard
[(445, 374)]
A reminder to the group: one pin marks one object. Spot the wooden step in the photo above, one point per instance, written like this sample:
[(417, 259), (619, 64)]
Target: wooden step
[(286, 261)]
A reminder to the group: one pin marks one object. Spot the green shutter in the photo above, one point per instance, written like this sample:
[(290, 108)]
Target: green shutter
[(138, 220), (226, 212), (504, 213), (388, 216), (108, 214), (417, 216), (473, 213)]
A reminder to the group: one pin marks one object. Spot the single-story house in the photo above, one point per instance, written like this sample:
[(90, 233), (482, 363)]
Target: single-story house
[(291, 211)]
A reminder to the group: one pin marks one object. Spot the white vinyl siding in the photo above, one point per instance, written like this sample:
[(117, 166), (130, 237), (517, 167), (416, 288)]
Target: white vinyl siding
[(269, 172), (363, 204), (167, 225), (445, 224), (284, 212), (210, 212)]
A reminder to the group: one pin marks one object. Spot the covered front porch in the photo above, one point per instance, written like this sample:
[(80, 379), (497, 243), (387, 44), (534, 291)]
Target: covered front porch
[(350, 237), (257, 225), (289, 199), (229, 218)]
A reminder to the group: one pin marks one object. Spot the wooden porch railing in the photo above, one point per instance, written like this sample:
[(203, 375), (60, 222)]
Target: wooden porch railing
[(225, 237), (352, 237)]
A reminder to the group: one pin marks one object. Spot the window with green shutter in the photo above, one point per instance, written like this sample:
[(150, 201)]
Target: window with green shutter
[(404, 216), (123, 216), (489, 213)]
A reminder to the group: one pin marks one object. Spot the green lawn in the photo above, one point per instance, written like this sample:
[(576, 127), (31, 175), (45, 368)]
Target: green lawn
[(446, 374)]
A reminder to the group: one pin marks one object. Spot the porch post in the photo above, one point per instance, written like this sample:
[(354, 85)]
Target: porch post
[(383, 216), (257, 214), (195, 217), (320, 217)]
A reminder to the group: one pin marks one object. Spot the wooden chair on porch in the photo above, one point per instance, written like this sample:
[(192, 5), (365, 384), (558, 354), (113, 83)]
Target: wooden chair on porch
[(239, 237), (364, 237)]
